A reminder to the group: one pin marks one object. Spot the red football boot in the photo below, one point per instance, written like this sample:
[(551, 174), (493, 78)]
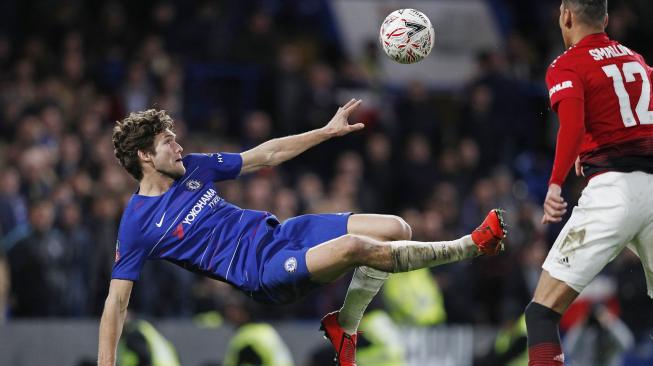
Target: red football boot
[(343, 343), (490, 233)]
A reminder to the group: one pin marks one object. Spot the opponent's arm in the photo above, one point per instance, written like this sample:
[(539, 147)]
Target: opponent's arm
[(570, 136), (113, 318), (276, 151)]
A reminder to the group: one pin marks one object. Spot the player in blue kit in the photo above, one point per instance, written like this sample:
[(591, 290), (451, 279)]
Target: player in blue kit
[(178, 215)]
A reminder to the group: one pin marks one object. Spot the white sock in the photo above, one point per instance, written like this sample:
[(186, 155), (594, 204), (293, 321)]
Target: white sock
[(365, 284), (410, 255)]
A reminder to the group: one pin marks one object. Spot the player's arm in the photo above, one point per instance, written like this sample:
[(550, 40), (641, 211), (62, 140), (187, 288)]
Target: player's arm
[(571, 114), (276, 151), (113, 318)]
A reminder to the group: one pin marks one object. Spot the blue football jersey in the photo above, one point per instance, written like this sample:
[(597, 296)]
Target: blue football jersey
[(192, 226)]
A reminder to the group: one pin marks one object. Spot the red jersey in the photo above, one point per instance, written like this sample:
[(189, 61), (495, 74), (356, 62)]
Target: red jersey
[(614, 83)]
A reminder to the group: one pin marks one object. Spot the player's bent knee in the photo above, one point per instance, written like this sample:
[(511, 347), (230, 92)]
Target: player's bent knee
[(400, 230)]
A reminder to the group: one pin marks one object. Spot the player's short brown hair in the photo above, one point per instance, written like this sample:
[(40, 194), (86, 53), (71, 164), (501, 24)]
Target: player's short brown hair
[(591, 12), (136, 132)]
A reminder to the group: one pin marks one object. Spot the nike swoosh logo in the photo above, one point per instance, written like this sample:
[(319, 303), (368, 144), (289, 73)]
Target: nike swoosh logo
[(158, 224)]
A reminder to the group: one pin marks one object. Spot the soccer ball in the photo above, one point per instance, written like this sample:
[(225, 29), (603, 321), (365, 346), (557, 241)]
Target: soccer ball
[(407, 36)]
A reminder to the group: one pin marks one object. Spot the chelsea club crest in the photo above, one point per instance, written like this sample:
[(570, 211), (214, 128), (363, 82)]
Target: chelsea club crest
[(290, 265), (193, 185)]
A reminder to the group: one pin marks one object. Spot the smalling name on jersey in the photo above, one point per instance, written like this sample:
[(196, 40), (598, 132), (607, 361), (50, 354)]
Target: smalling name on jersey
[(609, 52)]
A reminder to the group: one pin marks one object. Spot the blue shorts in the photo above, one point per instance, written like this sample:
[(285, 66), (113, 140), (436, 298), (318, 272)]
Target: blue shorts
[(283, 275)]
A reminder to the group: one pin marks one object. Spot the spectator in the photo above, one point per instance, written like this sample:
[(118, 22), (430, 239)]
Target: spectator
[(13, 209), (39, 262), (79, 245), (5, 282)]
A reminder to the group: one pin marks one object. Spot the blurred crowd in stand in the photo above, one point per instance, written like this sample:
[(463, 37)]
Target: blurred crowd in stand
[(234, 74)]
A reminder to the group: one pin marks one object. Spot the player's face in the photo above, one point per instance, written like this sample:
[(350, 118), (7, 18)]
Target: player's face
[(167, 155)]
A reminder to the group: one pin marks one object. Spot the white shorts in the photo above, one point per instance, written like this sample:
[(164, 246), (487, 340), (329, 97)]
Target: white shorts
[(614, 211)]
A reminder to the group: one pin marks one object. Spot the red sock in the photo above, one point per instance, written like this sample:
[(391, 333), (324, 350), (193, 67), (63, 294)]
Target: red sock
[(545, 354)]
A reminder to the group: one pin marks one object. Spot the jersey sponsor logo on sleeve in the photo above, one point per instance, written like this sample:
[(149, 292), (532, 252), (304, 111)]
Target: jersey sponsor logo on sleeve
[(218, 156), (560, 86), (602, 53)]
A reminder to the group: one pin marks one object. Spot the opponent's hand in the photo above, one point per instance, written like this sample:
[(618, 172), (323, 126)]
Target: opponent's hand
[(554, 205), (578, 168), (339, 124)]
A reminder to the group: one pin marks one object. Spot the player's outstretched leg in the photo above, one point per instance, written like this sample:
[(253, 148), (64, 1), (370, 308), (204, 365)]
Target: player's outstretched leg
[(330, 260), (485, 239), (342, 253)]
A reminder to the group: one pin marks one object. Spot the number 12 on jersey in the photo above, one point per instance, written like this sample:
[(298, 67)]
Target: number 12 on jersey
[(630, 69)]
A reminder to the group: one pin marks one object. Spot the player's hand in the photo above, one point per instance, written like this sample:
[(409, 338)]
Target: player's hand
[(339, 124), (554, 205), (578, 168)]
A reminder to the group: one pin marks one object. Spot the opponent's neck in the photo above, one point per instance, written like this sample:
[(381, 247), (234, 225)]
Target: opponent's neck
[(584, 32)]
